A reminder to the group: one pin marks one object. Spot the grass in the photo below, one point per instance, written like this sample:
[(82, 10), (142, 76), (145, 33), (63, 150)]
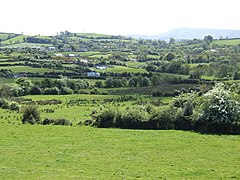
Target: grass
[(4, 36), (93, 35), (75, 112), (122, 69), (135, 64), (6, 81), (18, 69), (227, 42), (28, 45), (56, 152), (15, 40)]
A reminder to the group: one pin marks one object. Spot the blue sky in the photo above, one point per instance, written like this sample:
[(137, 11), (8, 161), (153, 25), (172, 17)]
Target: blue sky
[(149, 17)]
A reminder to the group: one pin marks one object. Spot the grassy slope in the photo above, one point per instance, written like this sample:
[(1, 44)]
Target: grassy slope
[(18, 69), (122, 69), (28, 45), (55, 152), (15, 40), (227, 42)]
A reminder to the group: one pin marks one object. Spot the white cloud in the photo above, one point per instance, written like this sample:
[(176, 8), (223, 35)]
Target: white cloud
[(115, 16)]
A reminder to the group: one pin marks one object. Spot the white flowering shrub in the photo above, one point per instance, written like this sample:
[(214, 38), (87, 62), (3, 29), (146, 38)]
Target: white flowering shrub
[(219, 111)]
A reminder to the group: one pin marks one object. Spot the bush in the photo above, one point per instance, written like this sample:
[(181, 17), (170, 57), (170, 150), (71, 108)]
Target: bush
[(60, 121), (31, 115), (163, 118), (107, 118), (35, 90), (66, 90), (51, 91), (135, 117), (219, 111), (14, 106)]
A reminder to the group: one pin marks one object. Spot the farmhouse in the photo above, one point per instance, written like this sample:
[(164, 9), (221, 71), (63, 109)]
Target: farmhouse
[(93, 74), (58, 55), (101, 67), (51, 48), (71, 55)]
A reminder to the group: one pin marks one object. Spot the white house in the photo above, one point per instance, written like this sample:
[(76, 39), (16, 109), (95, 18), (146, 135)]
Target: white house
[(101, 67), (51, 48), (71, 55), (93, 74), (58, 55)]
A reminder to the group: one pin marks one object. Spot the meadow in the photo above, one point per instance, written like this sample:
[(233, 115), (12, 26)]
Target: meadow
[(15, 40), (122, 69), (227, 42), (56, 152), (23, 69)]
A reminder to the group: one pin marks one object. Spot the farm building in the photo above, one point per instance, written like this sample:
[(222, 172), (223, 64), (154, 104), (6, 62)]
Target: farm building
[(101, 67), (93, 74), (51, 48), (58, 55)]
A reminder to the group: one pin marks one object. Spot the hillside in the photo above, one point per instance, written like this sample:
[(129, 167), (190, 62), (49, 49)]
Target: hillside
[(193, 33)]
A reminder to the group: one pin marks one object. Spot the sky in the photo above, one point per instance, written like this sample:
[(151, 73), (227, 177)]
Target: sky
[(116, 17)]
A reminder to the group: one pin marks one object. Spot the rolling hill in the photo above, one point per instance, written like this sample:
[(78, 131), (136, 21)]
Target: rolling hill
[(192, 33)]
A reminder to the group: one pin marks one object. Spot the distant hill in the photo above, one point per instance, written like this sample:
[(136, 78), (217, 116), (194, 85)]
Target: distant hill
[(191, 33)]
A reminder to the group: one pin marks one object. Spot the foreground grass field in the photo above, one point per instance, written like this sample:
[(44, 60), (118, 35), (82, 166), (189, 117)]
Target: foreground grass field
[(56, 152)]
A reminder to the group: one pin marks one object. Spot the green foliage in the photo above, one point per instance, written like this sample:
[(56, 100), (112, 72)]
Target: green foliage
[(163, 118), (135, 117), (51, 91), (107, 117), (31, 115), (219, 112), (59, 121)]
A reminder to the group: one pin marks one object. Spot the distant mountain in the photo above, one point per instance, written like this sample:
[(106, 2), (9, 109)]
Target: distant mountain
[(192, 33)]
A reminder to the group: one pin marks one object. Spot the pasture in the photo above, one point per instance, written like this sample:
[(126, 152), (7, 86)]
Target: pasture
[(122, 69), (232, 42), (29, 69), (56, 152), (15, 40)]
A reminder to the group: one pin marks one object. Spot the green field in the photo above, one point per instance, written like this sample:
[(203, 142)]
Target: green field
[(135, 64), (56, 152), (122, 69), (93, 35), (233, 42), (28, 45), (15, 40), (74, 112), (18, 69), (4, 36)]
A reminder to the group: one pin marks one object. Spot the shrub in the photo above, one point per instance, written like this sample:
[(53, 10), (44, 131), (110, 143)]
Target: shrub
[(60, 121), (51, 91), (31, 115), (14, 106), (107, 118), (136, 117), (35, 90), (163, 118), (66, 90), (219, 111)]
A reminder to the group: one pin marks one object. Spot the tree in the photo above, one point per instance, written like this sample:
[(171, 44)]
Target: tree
[(35, 90), (208, 39), (170, 56)]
